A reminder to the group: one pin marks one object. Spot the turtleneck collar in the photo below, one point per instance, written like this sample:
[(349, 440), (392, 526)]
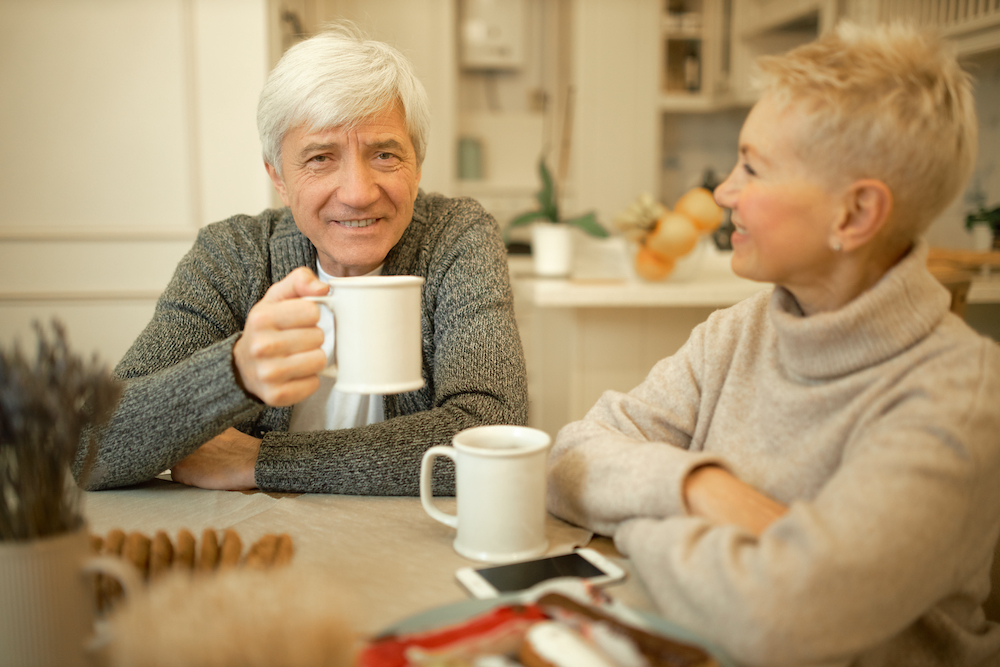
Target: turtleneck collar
[(904, 306)]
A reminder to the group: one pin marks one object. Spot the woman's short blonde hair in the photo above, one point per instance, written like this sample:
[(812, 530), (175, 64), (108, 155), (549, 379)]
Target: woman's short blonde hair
[(339, 77), (889, 103)]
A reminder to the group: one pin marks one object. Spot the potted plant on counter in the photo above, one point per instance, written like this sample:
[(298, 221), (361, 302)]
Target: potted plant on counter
[(551, 235), (984, 225)]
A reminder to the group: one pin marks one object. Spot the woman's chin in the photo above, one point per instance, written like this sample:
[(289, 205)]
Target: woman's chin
[(744, 267)]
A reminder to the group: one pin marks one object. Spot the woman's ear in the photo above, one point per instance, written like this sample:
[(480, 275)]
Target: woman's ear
[(868, 207)]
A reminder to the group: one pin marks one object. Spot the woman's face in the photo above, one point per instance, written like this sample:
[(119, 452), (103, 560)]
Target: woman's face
[(785, 214)]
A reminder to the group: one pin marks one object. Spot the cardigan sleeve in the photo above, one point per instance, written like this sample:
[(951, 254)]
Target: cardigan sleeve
[(179, 384), (904, 524), (473, 368)]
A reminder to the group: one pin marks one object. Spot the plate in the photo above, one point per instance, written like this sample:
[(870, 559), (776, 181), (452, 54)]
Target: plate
[(461, 611)]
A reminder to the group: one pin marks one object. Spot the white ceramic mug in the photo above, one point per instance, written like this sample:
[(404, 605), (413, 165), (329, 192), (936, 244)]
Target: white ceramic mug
[(500, 489), (376, 323), (47, 598)]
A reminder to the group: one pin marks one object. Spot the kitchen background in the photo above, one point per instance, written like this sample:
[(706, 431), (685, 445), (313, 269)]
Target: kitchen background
[(129, 124)]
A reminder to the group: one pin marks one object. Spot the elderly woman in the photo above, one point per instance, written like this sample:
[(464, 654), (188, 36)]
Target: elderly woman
[(222, 387), (814, 478)]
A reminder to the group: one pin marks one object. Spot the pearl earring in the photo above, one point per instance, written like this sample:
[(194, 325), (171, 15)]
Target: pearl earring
[(835, 245)]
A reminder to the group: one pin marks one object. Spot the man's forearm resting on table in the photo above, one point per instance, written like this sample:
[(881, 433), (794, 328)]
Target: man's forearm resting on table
[(226, 462), (713, 493)]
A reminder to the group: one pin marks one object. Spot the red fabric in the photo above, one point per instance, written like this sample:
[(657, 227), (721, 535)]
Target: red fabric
[(499, 621)]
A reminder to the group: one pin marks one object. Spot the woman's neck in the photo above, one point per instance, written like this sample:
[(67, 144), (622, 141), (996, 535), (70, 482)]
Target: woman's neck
[(849, 277)]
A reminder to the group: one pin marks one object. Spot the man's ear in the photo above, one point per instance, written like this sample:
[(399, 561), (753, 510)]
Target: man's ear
[(279, 183), (868, 204)]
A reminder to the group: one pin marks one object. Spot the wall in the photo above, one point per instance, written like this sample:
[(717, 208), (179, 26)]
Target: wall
[(615, 140), (127, 126), (693, 143), (423, 31), (949, 230)]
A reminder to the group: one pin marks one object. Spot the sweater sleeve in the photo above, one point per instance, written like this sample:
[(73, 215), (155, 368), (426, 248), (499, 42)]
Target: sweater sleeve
[(180, 388), (630, 454), (904, 525), (474, 372)]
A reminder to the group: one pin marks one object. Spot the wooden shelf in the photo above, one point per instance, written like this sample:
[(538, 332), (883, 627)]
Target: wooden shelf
[(686, 102)]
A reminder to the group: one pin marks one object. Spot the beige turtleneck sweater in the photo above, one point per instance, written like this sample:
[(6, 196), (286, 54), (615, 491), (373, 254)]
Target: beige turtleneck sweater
[(878, 425)]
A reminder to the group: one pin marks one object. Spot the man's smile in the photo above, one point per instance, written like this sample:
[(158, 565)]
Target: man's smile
[(357, 223)]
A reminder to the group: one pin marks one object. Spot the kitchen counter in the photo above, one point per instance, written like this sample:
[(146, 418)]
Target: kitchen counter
[(712, 284), (985, 289)]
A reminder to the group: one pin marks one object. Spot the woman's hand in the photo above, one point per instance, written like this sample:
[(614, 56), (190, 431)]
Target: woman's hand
[(713, 493)]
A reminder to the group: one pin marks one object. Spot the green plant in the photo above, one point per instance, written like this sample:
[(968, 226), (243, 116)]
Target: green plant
[(989, 216), (549, 208)]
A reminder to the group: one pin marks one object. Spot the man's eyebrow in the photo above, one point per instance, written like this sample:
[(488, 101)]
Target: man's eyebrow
[(391, 144), (317, 148), (383, 144)]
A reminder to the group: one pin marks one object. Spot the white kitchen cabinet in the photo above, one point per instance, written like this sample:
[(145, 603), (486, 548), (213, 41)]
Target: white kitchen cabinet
[(693, 54), (761, 27)]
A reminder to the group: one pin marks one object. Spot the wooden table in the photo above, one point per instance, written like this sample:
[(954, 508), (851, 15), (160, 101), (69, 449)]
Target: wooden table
[(385, 550)]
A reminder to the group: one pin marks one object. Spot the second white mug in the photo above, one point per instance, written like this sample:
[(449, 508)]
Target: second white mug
[(500, 486)]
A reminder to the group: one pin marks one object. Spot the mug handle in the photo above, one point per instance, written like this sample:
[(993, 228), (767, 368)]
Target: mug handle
[(128, 578), (328, 301), (128, 575), (426, 494)]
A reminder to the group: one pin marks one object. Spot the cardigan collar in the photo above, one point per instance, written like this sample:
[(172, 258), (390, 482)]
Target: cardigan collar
[(904, 306)]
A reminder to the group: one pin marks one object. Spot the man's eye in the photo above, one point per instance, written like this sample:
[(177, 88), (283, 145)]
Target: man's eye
[(318, 158), (748, 169), (385, 156)]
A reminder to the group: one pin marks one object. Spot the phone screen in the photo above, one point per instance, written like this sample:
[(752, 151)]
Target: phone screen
[(519, 576)]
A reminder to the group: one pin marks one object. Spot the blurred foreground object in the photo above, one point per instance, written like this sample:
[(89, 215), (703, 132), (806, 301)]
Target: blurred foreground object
[(157, 556), (46, 605), (288, 617), (44, 407)]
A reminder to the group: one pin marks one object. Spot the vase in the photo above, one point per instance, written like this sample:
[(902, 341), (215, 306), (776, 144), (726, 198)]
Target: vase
[(48, 598), (552, 249), (982, 237)]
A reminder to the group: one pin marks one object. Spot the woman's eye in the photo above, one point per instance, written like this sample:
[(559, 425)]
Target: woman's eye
[(748, 169)]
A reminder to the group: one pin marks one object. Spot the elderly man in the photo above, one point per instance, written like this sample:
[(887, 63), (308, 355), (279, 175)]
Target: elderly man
[(222, 386)]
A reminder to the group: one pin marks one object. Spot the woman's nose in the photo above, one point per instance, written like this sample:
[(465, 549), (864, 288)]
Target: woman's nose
[(725, 192)]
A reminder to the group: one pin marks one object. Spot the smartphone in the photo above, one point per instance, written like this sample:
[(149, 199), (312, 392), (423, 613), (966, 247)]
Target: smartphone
[(489, 582)]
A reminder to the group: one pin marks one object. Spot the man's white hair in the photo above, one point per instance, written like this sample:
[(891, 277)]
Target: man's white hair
[(339, 77)]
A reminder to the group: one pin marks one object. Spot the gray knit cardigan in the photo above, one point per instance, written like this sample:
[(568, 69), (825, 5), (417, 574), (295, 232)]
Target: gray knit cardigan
[(180, 389)]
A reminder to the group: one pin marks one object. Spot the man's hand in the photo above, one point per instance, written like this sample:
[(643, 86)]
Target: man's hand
[(715, 494), (279, 356), (226, 462)]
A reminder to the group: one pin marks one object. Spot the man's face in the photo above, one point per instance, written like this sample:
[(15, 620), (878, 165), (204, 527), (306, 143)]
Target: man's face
[(351, 190)]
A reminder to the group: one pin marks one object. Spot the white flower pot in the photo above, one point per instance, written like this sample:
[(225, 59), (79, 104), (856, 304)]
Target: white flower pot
[(552, 249), (47, 598), (982, 237)]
